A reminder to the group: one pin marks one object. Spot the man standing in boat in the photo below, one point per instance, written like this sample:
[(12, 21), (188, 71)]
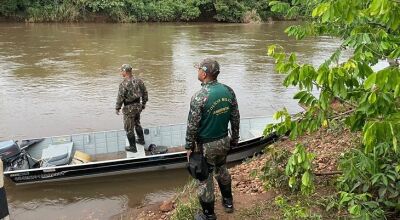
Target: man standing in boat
[(211, 109), (132, 94)]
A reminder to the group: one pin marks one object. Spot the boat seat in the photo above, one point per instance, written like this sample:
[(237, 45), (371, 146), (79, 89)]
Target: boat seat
[(57, 154)]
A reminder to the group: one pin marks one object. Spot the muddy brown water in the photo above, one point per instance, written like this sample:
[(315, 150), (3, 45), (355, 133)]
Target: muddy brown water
[(60, 79)]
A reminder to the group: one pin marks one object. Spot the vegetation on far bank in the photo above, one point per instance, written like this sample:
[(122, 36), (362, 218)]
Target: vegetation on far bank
[(136, 10)]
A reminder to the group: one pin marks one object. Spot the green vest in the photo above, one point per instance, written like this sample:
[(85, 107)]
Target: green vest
[(216, 113)]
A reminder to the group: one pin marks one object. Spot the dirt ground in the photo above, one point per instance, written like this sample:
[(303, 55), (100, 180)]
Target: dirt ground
[(248, 191)]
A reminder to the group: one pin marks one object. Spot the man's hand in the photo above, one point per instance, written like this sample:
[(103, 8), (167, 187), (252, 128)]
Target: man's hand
[(188, 154), (117, 111)]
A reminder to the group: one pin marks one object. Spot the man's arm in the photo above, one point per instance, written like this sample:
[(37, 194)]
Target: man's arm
[(235, 120), (120, 98), (145, 96), (193, 123)]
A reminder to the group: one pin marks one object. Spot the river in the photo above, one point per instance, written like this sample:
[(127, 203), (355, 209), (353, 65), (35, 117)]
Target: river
[(60, 79)]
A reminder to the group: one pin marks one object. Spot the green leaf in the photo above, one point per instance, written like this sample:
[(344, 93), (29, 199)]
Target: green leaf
[(292, 181), (372, 98), (397, 91), (292, 58), (355, 210), (385, 180), (344, 198), (306, 179), (394, 139), (395, 54), (320, 9), (271, 50), (324, 99), (299, 159), (375, 178), (370, 81), (300, 95), (375, 7), (330, 79)]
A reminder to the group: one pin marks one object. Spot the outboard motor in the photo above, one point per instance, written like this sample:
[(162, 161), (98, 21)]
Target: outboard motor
[(9, 150), (12, 156)]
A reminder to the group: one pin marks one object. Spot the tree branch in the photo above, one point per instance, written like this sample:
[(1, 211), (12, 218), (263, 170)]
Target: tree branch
[(328, 173), (342, 114)]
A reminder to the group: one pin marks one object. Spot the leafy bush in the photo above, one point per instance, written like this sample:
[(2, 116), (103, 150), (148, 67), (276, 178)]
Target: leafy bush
[(371, 98), (299, 170), (273, 172), (231, 11)]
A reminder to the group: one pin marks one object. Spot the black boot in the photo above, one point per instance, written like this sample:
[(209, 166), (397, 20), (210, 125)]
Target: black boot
[(208, 211), (140, 135), (132, 144), (227, 199)]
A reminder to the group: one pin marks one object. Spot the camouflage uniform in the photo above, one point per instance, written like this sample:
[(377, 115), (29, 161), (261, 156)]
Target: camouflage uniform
[(215, 149), (130, 93)]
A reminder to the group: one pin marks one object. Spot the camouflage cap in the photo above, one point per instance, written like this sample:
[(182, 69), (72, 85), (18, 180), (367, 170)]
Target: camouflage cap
[(208, 65), (126, 68)]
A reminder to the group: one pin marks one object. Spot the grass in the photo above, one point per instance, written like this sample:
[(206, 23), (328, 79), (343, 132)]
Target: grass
[(187, 204), (257, 211)]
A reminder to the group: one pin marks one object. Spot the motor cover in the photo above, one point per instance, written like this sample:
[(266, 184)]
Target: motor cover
[(8, 149)]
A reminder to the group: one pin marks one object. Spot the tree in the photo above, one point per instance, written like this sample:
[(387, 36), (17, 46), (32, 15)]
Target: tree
[(370, 184)]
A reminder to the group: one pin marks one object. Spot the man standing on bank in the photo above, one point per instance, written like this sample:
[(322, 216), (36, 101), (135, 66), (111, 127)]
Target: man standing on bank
[(211, 109), (133, 95)]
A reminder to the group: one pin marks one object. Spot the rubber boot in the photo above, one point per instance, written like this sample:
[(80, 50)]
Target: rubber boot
[(208, 211), (227, 199), (132, 144), (140, 135)]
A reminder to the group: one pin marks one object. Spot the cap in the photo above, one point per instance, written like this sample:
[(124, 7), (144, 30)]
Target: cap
[(210, 66), (126, 68)]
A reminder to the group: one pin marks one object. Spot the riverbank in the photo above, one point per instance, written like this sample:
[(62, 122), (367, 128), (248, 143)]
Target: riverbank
[(253, 199)]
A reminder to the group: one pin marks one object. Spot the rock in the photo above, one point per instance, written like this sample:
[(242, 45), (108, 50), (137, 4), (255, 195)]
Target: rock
[(166, 206)]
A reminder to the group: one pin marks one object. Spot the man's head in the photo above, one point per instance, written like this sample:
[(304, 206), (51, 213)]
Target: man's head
[(208, 69), (126, 70)]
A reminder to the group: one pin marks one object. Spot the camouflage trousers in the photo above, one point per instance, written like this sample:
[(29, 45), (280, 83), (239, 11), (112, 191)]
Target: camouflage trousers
[(215, 153), (132, 120)]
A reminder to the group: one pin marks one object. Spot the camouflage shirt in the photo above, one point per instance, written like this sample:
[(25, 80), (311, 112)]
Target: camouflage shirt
[(211, 109), (130, 90)]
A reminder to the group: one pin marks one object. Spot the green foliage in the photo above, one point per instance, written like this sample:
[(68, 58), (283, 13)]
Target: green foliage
[(360, 206), (231, 11), (273, 172), (373, 174), (292, 212), (370, 99), (136, 10), (293, 8), (299, 170)]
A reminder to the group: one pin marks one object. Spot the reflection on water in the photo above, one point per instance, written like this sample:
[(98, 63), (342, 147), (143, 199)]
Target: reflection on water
[(97, 197), (63, 78)]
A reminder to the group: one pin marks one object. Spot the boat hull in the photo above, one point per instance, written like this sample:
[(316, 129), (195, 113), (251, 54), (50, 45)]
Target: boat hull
[(166, 161)]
